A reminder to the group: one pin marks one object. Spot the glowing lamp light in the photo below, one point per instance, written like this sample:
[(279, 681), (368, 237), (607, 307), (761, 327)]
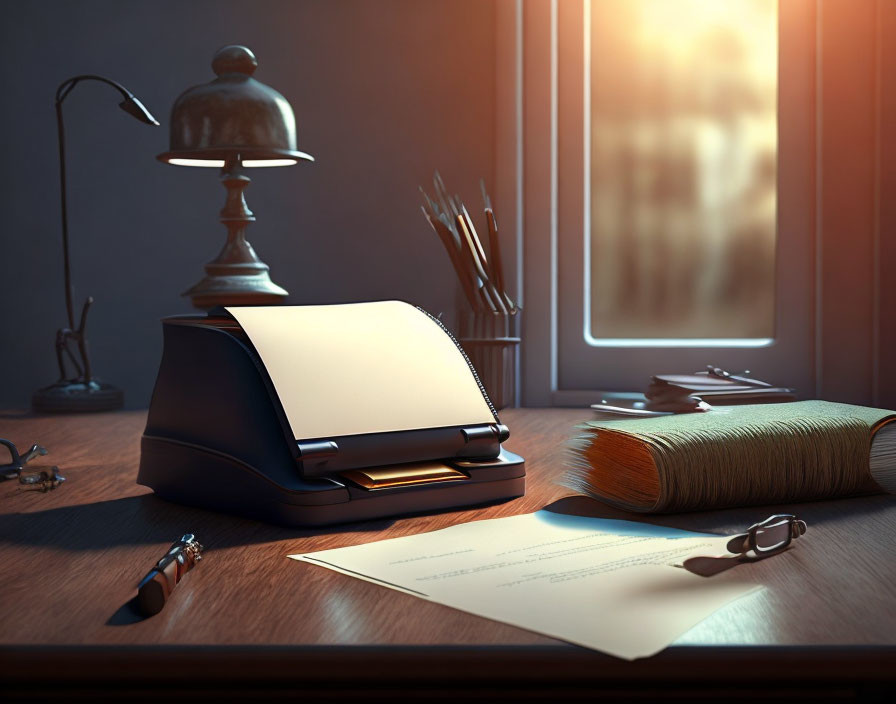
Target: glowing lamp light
[(248, 163)]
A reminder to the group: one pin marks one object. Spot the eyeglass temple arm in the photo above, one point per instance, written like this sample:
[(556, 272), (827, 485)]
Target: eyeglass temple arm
[(739, 543), (13, 451), (9, 471)]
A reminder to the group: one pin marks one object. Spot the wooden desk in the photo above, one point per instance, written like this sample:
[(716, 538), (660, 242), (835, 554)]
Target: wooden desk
[(249, 620)]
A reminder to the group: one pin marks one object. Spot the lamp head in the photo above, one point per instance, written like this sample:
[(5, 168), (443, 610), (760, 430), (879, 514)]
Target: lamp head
[(134, 107), (233, 116)]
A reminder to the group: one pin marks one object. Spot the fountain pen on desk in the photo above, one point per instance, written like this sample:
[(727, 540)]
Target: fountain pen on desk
[(155, 588)]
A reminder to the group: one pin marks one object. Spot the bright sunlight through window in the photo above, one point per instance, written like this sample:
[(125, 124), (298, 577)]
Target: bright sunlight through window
[(682, 173)]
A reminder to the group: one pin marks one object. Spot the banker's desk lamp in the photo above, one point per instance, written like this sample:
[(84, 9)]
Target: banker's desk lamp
[(234, 122)]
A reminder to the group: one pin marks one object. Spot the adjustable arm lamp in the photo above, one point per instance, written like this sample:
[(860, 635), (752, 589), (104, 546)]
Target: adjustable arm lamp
[(81, 392)]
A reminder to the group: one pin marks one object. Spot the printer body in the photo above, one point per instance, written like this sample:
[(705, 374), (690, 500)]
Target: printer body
[(317, 415)]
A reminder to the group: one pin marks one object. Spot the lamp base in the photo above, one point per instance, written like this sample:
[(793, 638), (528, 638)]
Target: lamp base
[(236, 290), (236, 277), (77, 397)]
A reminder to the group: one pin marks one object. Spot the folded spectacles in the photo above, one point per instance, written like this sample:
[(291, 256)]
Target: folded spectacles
[(39, 479), (761, 540), (773, 534)]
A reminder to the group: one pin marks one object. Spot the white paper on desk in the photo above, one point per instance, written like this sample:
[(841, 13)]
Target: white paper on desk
[(604, 584)]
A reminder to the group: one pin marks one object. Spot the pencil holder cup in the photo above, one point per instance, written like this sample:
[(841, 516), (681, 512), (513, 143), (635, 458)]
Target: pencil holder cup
[(491, 347)]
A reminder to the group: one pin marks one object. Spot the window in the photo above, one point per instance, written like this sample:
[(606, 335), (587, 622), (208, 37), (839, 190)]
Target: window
[(663, 234), (680, 172), (834, 285)]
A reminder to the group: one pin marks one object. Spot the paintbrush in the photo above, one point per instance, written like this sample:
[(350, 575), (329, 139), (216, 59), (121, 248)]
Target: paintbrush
[(484, 267), (480, 272), (487, 202), (494, 245), (451, 211), (452, 243), (443, 197), (466, 277), (473, 255)]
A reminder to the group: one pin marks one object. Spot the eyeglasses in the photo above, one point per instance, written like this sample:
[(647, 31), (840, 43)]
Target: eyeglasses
[(40, 479), (773, 534)]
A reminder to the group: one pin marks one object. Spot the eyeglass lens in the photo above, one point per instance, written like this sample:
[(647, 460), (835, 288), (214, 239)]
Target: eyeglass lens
[(774, 536)]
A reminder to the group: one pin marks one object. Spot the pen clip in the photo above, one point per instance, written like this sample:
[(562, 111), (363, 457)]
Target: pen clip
[(187, 546)]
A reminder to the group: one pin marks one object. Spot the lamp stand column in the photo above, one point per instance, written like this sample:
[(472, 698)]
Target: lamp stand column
[(236, 277)]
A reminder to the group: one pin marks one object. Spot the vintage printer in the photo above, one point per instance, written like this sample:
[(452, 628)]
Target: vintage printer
[(313, 415)]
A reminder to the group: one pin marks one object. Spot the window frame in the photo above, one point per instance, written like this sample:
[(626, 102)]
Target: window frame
[(821, 347)]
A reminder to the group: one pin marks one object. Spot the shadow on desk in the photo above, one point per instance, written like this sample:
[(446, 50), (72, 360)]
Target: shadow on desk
[(146, 519), (733, 520)]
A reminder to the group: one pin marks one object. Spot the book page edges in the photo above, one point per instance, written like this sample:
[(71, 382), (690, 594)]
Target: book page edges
[(612, 470), (882, 465), (623, 465)]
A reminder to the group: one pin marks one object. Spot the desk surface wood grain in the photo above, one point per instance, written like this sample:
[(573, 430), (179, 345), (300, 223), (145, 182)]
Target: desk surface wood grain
[(70, 560)]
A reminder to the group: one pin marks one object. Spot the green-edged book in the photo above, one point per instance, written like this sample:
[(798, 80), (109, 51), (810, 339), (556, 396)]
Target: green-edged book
[(737, 456)]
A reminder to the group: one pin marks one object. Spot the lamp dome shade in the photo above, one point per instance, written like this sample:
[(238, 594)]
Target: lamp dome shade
[(234, 114)]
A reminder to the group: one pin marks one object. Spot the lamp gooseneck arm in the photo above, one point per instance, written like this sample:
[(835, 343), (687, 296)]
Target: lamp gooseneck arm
[(61, 94), (66, 86), (60, 127), (135, 108)]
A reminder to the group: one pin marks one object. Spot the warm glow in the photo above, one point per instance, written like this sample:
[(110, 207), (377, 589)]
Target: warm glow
[(219, 163), (683, 160), (215, 163), (257, 163)]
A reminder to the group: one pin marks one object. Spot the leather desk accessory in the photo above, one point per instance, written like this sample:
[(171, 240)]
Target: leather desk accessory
[(714, 385), (693, 393)]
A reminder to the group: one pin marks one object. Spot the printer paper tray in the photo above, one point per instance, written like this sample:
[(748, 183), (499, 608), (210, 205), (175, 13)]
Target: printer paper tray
[(197, 476)]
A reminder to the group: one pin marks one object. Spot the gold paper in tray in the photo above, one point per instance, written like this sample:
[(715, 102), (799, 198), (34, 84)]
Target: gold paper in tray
[(403, 475)]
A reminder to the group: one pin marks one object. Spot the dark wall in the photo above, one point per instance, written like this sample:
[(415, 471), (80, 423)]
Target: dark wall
[(384, 92)]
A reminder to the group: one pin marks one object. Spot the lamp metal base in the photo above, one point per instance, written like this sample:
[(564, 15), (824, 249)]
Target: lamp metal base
[(236, 277), (235, 290), (77, 397)]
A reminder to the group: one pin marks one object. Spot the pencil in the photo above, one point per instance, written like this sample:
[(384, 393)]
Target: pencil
[(486, 268), (463, 273)]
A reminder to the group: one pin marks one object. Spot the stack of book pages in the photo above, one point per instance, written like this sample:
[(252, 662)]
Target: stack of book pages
[(736, 456)]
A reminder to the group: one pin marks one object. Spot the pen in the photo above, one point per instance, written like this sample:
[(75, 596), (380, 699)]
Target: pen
[(155, 588)]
